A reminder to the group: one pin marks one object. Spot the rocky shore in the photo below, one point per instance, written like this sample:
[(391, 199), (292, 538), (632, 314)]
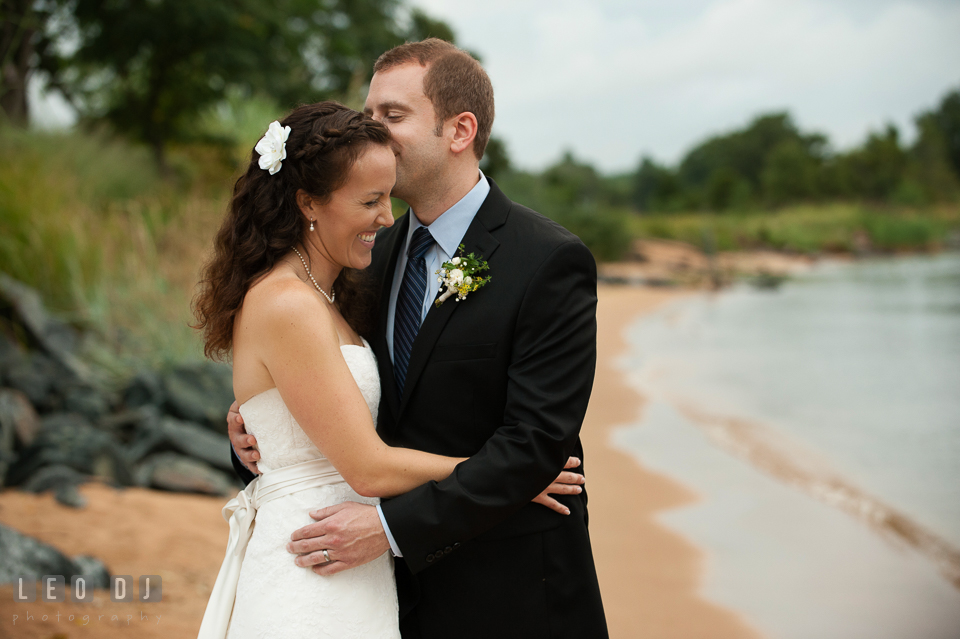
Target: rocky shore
[(62, 425)]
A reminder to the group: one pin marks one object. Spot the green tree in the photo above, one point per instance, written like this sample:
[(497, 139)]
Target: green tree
[(874, 170), (573, 182), (715, 166), (496, 160), (149, 67), (655, 187), (790, 173)]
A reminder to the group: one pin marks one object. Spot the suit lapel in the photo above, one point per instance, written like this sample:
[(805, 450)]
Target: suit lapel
[(391, 247), (479, 240)]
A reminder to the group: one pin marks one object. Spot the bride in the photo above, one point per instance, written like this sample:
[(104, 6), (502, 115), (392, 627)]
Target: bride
[(284, 296)]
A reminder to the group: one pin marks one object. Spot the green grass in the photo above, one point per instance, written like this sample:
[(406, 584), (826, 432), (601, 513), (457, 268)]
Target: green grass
[(808, 229), (111, 245)]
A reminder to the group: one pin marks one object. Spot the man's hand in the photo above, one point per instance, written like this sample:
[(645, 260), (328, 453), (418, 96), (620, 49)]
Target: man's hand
[(245, 445), (566, 483), (351, 533)]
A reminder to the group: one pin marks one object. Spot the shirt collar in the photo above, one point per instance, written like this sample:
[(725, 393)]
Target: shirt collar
[(448, 229)]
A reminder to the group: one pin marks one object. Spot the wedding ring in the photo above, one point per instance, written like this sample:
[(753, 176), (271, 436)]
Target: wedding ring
[(326, 555)]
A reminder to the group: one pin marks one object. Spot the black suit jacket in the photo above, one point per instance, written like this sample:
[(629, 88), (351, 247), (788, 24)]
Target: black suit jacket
[(502, 377)]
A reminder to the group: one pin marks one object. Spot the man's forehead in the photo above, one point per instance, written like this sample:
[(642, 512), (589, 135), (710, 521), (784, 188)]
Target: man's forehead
[(396, 86)]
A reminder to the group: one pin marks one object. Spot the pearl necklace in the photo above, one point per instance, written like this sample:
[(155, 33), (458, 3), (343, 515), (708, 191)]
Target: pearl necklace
[(330, 298)]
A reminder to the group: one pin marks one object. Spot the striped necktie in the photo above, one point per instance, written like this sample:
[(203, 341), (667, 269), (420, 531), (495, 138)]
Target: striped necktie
[(413, 288)]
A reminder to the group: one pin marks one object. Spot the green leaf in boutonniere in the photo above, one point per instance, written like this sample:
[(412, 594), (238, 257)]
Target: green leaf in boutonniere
[(461, 276)]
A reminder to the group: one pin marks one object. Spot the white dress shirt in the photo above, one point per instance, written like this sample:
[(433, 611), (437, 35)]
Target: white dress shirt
[(447, 231)]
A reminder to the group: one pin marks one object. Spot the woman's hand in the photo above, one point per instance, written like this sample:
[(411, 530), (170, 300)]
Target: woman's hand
[(566, 483)]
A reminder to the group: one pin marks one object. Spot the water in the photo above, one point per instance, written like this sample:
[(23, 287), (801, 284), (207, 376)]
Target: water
[(822, 425)]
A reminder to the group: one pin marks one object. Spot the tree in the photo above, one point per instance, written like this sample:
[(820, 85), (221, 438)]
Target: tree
[(790, 173), (20, 22), (655, 187), (875, 169), (149, 67), (496, 161), (714, 166)]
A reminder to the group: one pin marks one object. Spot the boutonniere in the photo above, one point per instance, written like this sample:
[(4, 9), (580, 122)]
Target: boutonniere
[(461, 276)]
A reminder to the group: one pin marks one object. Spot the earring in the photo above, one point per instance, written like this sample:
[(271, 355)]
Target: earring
[(311, 226)]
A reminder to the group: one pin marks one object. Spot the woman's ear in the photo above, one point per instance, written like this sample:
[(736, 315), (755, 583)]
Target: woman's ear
[(307, 204)]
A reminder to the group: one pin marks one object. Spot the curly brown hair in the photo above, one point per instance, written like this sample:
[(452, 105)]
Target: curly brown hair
[(264, 222)]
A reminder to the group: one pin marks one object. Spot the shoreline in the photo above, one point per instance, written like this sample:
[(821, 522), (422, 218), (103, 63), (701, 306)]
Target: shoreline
[(650, 576)]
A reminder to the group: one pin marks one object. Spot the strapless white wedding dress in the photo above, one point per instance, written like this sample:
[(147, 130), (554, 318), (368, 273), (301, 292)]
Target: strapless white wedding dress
[(275, 597)]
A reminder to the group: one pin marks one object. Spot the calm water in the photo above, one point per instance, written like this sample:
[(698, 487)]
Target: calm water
[(797, 414)]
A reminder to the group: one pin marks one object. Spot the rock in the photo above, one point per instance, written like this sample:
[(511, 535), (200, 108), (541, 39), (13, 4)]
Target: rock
[(37, 376), (200, 393), (171, 471), (86, 400), (145, 389), (22, 555), (57, 338), (9, 352), (62, 481), (128, 426), (94, 570), (70, 440), (16, 410), (169, 434)]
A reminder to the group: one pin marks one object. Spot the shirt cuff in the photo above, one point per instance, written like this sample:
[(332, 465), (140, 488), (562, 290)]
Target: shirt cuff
[(386, 528)]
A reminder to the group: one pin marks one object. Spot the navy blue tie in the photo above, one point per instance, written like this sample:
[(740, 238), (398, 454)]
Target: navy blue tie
[(406, 320)]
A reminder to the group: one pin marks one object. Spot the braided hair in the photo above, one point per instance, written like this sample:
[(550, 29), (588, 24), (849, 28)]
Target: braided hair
[(263, 220)]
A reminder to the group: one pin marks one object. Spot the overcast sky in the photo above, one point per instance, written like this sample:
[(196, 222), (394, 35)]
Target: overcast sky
[(614, 79)]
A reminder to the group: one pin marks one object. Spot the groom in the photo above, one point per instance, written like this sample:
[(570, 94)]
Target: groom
[(502, 377)]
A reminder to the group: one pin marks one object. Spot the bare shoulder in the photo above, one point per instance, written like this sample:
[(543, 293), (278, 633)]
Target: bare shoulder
[(281, 301)]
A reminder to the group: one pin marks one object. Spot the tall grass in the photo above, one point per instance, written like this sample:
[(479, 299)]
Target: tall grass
[(809, 229), (110, 244)]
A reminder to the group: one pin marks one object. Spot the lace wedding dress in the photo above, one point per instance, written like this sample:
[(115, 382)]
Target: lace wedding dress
[(273, 596)]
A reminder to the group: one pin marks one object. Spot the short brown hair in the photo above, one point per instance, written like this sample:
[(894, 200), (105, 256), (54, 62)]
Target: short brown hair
[(455, 82)]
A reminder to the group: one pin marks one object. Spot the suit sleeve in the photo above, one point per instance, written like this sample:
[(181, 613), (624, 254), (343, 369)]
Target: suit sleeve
[(245, 475), (550, 378)]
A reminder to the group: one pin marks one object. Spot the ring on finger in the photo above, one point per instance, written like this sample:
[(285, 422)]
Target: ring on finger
[(326, 555)]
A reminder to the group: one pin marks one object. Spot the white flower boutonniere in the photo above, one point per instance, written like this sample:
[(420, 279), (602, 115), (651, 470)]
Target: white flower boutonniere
[(461, 276), (272, 147)]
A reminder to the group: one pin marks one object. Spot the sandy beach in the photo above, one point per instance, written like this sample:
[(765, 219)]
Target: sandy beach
[(650, 576)]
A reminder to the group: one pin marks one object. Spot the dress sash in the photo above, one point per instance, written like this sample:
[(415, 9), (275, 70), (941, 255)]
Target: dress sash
[(240, 513)]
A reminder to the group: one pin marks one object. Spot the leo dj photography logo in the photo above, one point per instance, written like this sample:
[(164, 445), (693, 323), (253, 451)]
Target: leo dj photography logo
[(53, 588)]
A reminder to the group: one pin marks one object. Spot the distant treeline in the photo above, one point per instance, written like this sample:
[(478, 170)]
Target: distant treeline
[(766, 166)]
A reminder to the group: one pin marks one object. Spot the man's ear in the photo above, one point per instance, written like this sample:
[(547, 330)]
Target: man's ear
[(464, 131)]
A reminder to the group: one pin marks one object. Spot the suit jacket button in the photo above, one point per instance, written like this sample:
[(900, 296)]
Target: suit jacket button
[(456, 545), (447, 550), (429, 558)]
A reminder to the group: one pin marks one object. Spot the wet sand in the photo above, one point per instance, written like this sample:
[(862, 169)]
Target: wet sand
[(650, 576)]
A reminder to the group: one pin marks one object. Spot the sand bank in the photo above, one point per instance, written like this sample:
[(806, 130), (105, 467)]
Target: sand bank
[(649, 575)]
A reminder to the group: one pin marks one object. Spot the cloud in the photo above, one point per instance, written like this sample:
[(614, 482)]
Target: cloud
[(612, 79)]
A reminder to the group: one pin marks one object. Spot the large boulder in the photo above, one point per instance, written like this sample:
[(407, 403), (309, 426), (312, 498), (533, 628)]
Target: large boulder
[(22, 555), (19, 425), (69, 439), (56, 338), (37, 376), (171, 471), (145, 389), (62, 481), (166, 434), (200, 393)]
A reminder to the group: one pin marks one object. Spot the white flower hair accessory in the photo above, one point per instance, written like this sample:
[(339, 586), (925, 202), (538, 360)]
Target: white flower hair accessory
[(272, 147), (461, 276)]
